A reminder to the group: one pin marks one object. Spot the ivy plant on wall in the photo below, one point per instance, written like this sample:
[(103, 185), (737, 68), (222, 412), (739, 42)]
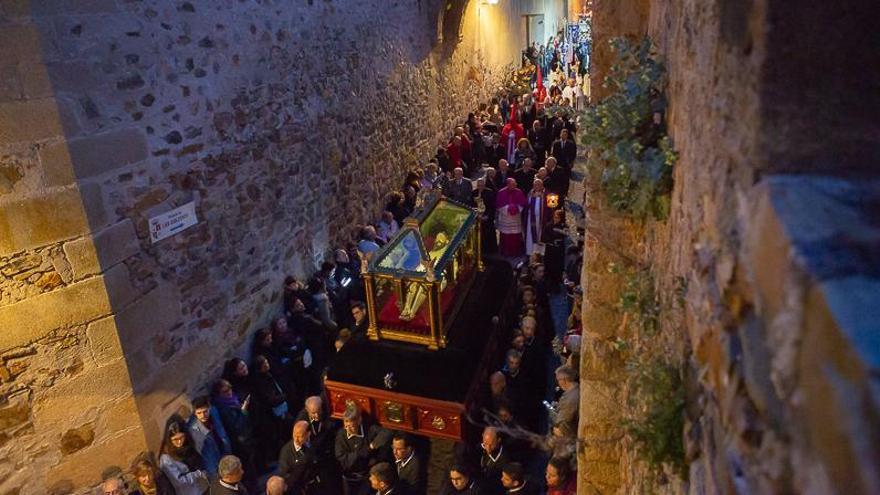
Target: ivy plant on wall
[(626, 133)]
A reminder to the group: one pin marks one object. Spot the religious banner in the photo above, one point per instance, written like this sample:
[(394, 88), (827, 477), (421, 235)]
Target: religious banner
[(172, 222)]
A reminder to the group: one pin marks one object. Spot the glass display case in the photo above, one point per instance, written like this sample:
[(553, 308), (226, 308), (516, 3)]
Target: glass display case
[(417, 281)]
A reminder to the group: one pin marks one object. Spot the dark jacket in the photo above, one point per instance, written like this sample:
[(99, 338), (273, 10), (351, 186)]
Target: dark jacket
[(218, 489), (354, 454), (410, 475), (299, 469), (323, 434), (490, 469), (565, 153)]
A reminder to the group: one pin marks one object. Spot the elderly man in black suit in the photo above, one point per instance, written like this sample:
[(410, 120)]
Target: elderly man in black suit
[(460, 188)]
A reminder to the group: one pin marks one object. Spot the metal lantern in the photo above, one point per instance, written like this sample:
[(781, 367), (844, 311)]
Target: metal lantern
[(552, 200)]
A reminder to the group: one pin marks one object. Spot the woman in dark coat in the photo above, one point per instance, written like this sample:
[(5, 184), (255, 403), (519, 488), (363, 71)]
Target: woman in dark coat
[(150, 480)]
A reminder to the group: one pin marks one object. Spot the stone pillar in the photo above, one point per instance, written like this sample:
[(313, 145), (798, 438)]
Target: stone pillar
[(67, 409)]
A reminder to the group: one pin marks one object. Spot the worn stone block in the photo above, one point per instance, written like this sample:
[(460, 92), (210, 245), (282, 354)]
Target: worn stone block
[(103, 341), (156, 312), (54, 7), (104, 249), (120, 290), (30, 319), (84, 467), (16, 413), (57, 164), (99, 154), (10, 82), (91, 388), (41, 220), (35, 81), (29, 120), (21, 43)]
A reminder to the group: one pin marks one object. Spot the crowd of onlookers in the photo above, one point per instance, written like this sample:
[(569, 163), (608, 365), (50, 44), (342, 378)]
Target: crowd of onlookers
[(264, 423)]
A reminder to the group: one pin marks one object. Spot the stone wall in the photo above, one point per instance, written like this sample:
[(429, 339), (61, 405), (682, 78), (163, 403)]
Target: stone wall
[(286, 122), (752, 264)]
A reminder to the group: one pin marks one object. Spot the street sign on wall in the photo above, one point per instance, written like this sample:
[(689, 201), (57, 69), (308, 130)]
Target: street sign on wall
[(171, 222)]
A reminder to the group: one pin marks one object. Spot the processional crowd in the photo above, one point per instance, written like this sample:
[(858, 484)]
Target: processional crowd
[(264, 426)]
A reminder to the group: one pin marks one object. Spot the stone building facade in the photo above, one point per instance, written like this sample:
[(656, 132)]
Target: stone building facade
[(766, 268), (287, 123)]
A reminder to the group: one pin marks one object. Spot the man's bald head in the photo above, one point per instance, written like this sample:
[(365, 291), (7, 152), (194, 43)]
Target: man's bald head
[(301, 433), (275, 485)]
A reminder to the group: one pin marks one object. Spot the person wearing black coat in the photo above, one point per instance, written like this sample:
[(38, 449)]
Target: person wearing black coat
[(298, 461), (322, 434), (564, 150), (359, 446), (492, 458), (408, 465), (149, 478), (487, 219)]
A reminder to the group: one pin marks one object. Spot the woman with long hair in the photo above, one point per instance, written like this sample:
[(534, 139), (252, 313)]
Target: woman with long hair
[(180, 461), (149, 478)]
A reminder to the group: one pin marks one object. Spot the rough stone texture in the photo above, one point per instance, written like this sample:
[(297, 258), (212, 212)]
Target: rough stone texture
[(777, 333), (286, 122)]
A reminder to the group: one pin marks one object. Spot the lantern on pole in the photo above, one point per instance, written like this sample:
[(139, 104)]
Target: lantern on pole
[(552, 200)]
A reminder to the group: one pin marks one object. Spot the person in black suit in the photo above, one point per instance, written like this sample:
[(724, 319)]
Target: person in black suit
[(297, 462), (558, 178), (409, 467), (359, 446), (230, 473), (459, 188), (322, 433), (564, 150), (502, 174), (537, 137), (492, 458)]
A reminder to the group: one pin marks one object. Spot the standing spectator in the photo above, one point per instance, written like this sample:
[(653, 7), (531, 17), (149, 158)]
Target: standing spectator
[(460, 189), (231, 473), (180, 461), (567, 413), (367, 243), (560, 479), (387, 227), (208, 434), (149, 478), (237, 422)]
